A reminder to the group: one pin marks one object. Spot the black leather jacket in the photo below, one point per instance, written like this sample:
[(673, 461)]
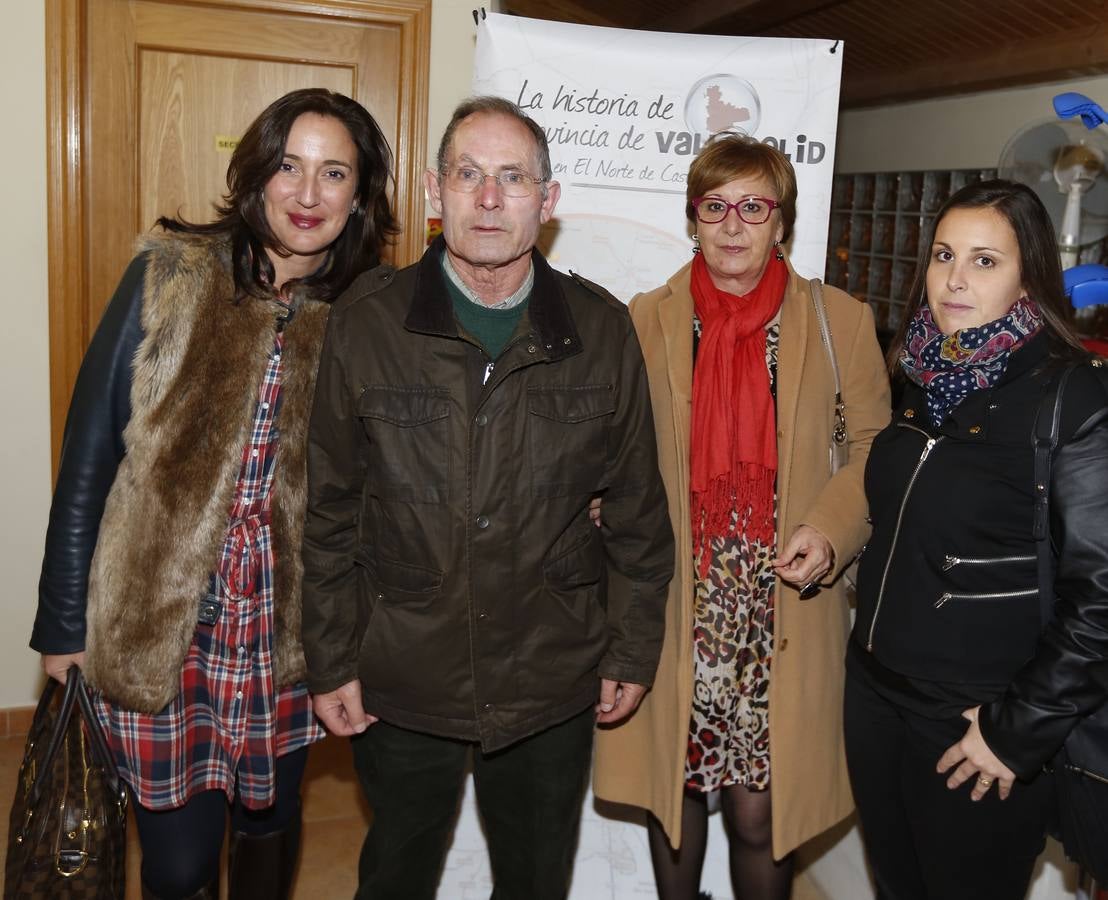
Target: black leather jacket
[(92, 448), (948, 586)]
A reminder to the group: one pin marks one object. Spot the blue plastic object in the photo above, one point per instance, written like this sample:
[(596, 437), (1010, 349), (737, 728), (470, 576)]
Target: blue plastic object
[(1086, 285), (1072, 104)]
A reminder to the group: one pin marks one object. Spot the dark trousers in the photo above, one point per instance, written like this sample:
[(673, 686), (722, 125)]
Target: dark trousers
[(181, 847), (924, 841), (529, 796)]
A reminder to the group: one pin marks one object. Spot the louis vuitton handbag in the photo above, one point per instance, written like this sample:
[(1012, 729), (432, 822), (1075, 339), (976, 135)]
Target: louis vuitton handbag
[(67, 831)]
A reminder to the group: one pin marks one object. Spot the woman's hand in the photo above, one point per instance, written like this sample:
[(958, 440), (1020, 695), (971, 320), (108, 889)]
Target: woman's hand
[(806, 557), (56, 665), (972, 756)]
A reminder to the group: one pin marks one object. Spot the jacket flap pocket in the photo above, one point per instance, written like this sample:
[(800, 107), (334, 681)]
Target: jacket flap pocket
[(398, 576), (403, 406), (572, 404)]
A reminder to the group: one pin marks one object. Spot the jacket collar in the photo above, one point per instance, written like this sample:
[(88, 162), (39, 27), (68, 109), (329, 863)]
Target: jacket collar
[(675, 315), (431, 310)]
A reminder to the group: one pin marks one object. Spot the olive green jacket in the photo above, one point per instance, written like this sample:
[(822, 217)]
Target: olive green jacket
[(449, 561)]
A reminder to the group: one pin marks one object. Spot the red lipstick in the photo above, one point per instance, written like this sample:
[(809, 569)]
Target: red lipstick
[(304, 222)]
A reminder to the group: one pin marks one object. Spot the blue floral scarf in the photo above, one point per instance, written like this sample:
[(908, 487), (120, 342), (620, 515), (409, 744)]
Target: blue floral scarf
[(950, 367)]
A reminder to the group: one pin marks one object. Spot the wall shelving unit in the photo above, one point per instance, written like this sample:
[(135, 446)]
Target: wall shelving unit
[(878, 220)]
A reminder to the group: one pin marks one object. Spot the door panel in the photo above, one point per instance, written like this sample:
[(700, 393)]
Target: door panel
[(146, 99), (184, 147)]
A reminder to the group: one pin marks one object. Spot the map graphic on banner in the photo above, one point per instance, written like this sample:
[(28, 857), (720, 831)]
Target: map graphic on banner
[(625, 112)]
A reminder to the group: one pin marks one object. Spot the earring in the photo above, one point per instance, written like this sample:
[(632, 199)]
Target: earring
[(777, 248), (354, 209), (696, 243)]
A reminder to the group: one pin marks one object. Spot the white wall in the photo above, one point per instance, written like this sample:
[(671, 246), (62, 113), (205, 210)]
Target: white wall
[(24, 370), (965, 132)]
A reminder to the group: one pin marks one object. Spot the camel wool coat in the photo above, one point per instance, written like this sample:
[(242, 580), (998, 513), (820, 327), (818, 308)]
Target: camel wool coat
[(642, 761)]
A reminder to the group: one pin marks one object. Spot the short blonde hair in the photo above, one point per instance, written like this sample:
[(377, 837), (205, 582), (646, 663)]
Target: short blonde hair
[(728, 156)]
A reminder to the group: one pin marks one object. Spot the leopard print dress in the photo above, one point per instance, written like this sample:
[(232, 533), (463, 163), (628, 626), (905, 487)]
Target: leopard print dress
[(732, 651)]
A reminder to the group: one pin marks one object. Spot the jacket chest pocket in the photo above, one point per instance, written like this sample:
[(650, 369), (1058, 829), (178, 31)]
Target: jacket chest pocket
[(568, 437), (408, 431)]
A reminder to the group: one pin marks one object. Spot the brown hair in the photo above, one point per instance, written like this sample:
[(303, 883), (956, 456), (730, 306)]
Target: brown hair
[(497, 106), (257, 158), (1040, 268), (728, 156)]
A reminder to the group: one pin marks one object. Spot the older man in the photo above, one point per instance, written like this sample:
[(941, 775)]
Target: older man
[(456, 596)]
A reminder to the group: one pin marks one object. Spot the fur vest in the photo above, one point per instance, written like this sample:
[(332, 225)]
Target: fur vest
[(194, 388)]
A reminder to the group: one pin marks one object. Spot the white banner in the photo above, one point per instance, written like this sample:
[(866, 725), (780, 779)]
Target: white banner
[(626, 111)]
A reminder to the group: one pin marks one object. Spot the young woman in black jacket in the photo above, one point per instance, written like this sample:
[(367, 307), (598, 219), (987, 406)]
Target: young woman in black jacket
[(956, 695)]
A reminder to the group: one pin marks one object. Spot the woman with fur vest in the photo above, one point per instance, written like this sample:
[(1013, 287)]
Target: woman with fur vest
[(172, 566)]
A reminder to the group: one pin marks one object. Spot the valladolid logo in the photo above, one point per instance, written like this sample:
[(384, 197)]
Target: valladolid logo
[(722, 103)]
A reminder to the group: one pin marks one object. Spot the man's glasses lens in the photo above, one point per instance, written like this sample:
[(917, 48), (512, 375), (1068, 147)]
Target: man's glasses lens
[(467, 179), (752, 210)]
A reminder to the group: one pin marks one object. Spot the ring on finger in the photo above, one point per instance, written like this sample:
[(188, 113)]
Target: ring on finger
[(983, 781)]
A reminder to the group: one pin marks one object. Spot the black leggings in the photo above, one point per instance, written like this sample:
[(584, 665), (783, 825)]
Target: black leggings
[(924, 841), (181, 847)]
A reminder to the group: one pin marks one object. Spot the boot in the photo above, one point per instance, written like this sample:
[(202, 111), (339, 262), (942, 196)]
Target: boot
[(208, 892), (260, 867)]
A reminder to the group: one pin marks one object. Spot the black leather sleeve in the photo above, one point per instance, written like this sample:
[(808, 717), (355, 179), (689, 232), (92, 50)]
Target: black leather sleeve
[(1068, 676), (92, 448)]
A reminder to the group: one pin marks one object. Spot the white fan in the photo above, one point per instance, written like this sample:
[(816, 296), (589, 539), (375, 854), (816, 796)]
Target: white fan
[(1064, 163)]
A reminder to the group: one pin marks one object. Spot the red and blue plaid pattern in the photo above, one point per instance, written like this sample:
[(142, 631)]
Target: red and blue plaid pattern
[(228, 724)]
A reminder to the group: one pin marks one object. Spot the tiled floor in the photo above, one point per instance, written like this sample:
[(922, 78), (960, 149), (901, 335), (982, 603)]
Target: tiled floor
[(335, 820)]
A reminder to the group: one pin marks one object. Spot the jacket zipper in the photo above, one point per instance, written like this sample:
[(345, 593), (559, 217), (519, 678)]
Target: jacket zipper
[(1086, 773), (995, 595), (491, 368), (951, 561), (927, 448)]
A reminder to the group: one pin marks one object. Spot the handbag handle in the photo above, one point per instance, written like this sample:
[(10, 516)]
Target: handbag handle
[(75, 694), (838, 432)]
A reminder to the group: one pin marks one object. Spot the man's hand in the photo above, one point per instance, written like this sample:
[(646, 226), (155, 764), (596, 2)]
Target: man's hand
[(618, 699), (341, 710), (807, 556), (594, 511), (56, 665)]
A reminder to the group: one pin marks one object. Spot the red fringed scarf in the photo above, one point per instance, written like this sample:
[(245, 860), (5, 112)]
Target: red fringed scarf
[(734, 428)]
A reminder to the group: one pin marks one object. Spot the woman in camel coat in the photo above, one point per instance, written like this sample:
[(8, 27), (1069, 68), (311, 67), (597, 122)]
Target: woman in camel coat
[(783, 719)]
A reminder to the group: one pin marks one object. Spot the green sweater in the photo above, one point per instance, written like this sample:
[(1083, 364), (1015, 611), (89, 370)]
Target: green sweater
[(492, 328)]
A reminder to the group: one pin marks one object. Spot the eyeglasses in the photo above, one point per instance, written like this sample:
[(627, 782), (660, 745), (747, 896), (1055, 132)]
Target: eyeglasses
[(467, 179), (752, 210)]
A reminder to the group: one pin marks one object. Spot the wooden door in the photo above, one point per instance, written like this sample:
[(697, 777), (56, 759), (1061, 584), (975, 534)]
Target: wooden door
[(146, 99)]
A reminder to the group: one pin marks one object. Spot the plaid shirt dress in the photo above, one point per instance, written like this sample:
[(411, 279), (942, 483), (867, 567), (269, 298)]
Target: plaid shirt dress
[(227, 726)]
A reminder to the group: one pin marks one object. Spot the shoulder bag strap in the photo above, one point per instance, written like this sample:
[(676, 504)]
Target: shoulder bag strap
[(1044, 440), (839, 433)]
